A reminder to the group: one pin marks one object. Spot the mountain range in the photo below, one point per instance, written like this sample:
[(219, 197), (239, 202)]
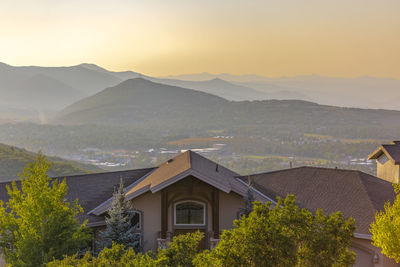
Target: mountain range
[(361, 92), (143, 104), (36, 93)]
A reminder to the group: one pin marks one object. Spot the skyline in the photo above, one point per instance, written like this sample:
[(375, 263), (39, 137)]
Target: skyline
[(268, 38)]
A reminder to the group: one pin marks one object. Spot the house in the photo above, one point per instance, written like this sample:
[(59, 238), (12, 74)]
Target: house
[(190, 192), (387, 157)]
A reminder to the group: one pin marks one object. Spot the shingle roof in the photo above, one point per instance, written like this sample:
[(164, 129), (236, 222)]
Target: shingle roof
[(183, 165), (392, 151), (354, 193), (91, 189), (167, 173)]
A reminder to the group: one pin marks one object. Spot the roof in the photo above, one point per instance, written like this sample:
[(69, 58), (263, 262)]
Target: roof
[(392, 151), (91, 189), (183, 165), (354, 193)]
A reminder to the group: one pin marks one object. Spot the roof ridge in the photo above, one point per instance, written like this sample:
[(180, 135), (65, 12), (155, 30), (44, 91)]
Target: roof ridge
[(361, 181), (84, 174), (302, 167)]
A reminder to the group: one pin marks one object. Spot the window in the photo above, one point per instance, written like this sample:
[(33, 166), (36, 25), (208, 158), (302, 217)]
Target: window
[(190, 213), (136, 219), (383, 159)]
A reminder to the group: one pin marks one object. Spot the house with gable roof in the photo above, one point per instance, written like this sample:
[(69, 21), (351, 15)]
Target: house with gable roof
[(190, 192)]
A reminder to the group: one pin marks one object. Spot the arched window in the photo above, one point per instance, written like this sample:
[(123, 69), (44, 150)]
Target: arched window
[(190, 212), (136, 219)]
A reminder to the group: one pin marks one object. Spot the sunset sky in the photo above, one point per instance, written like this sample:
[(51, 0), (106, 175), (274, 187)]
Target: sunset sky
[(269, 37)]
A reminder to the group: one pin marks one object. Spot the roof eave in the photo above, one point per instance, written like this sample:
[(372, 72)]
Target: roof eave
[(185, 174)]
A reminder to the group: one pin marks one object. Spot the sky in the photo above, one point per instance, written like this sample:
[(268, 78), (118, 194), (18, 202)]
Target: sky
[(341, 38)]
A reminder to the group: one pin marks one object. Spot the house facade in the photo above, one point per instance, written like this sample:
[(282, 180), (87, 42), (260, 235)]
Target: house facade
[(190, 192), (387, 158)]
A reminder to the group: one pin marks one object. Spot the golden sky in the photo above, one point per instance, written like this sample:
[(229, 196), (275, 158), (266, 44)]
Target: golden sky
[(267, 37)]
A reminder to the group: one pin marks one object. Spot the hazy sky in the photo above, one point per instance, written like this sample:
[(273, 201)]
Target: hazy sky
[(268, 37)]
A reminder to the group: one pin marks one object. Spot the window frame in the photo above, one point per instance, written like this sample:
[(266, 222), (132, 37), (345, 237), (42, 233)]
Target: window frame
[(197, 202), (139, 228)]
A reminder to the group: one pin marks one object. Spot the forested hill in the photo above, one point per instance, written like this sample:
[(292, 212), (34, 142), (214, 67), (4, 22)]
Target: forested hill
[(13, 161), (143, 104)]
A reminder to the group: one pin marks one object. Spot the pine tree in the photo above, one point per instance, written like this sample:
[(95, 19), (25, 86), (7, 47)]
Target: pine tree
[(248, 200), (119, 228)]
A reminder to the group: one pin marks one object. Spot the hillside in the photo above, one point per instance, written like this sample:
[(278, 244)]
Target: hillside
[(218, 87), (13, 161), (45, 89), (139, 103)]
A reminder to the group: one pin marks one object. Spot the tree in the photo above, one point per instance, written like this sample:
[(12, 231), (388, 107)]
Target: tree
[(37, 224), (386, 228), (180, 252), (248, 200), (119, 227), (284, 235)]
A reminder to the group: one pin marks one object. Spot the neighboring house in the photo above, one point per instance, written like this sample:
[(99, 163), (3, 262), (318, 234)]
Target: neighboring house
[(189, 193), (388, 161)]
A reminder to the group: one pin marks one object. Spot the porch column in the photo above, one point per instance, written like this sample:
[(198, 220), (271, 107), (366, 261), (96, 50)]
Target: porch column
[(164, 214), (215, 213)]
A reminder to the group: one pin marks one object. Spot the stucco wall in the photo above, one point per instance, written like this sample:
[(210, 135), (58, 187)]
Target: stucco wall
[(150, 205), (365, 253), (187, 189), (388, 171), (229, 205)]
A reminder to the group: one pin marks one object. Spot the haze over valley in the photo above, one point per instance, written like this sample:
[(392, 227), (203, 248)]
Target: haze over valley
[(121, 120)]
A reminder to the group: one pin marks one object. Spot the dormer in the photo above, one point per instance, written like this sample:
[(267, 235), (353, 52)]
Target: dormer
[(387, 158)]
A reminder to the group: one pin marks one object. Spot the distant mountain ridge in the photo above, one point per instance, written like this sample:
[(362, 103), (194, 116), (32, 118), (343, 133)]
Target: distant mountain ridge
[(360, 92), (143, 104), (38, 92)]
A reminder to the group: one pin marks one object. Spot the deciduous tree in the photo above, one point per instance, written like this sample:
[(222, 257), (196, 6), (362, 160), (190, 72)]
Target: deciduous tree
[(37, 224), (386, 228)]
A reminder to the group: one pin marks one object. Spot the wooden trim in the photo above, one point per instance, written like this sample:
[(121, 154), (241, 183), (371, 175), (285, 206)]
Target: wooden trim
[(164, 213), (215, 213)]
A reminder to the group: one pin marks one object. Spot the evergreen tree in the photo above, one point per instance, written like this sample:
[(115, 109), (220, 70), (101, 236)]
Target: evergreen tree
[(248, 200), (119, 227)]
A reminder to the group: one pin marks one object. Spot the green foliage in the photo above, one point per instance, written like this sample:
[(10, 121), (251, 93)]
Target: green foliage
[(37, 224), (284, 236), (117, 255), (181, 252), (386, 228), (119, 228)]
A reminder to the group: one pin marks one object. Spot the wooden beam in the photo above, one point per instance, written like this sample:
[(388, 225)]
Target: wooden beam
[(164, 213), (215, 212)]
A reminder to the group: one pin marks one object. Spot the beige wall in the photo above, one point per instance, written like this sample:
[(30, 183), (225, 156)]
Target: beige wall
[(188, 188), (150, 205), (388, 171), (365, 253), (229, 205)]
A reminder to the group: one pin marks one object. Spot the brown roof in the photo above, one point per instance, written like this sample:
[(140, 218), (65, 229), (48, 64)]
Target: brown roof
[(354, 193), (168, 172), (392, 151), (91, 189), (183, 165)]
